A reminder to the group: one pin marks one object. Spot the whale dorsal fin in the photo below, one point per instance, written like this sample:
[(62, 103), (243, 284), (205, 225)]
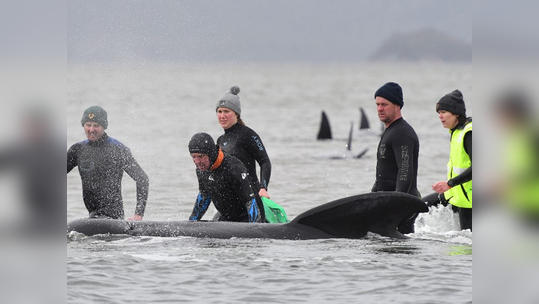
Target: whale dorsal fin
[(325, 129), (363, 120), (349, 143)]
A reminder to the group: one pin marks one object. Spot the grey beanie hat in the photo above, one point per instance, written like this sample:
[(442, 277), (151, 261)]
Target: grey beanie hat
[(230, 100), (95, 114)]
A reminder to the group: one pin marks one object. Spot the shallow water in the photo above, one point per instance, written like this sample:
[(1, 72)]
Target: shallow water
[(155, 108)]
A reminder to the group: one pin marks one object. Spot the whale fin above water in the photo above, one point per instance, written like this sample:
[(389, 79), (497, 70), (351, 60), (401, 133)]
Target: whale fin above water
[(360, 154), (363, 120), (344, 152), (325, 129), (349, 142)]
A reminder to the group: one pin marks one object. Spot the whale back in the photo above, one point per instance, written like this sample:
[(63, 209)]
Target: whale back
[(350, 217), (353, 217)]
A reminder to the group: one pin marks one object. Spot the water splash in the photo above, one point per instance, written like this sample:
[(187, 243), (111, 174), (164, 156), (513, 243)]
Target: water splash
[(442, 224), (438, 219)]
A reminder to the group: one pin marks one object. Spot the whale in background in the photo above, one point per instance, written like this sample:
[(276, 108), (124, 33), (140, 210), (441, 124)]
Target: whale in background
[(343, 152), (351, 217), (364, 129), (363, 120), (325, 129)]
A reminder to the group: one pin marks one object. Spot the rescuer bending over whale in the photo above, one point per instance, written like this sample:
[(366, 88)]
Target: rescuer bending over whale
[(223, 179)]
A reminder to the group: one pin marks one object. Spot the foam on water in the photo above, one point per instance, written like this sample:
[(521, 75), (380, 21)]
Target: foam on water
[(441, 223)]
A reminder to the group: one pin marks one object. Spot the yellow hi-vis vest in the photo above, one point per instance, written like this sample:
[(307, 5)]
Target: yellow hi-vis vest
[(522, 189), (459, 160)]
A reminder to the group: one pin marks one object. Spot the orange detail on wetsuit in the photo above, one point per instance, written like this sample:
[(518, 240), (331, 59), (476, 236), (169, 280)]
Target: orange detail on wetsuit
[(218, 161)]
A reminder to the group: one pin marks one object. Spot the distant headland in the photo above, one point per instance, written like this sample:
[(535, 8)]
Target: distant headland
[(423, 45)]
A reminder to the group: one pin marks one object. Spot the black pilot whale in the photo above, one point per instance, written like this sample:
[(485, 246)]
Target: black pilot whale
[(351, 217)]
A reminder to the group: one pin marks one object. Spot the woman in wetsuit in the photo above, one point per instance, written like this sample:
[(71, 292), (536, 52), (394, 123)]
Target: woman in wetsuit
[(241, 141), (457, 190)]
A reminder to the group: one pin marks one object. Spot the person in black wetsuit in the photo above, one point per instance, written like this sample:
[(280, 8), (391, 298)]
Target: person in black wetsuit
[(457, 190), (223, 179), (241, 141), (398, 150), (101, 161)]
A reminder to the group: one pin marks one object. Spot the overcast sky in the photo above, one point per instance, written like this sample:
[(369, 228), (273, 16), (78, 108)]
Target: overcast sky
[(251, 30)]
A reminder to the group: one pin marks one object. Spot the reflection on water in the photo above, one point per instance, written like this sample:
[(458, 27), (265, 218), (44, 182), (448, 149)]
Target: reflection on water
[(460, 250), (403, 249)]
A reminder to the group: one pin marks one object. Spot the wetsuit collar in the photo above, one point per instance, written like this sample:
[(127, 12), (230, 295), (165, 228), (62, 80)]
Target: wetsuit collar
[(218, 161), (395, 122), (99, 141), (234, 128)]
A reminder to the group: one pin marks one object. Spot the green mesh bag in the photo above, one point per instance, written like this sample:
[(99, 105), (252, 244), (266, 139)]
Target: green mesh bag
[(274, 212)]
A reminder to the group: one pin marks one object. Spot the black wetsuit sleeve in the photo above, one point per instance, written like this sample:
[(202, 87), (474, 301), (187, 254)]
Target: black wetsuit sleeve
[(72, 159), (139, 176), (243, 185), (260, 154), (468, 144), (466, 175), (404, 148), (246, 193)]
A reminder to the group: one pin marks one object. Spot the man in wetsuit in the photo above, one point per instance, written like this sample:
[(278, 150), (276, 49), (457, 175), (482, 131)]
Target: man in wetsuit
[(398, 150), (102, 160), (223, 179)]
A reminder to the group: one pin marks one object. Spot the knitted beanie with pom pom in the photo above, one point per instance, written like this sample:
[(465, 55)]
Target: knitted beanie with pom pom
[(230, 100)]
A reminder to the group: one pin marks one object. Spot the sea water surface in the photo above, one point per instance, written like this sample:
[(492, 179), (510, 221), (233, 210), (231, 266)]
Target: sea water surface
[(154, 109)]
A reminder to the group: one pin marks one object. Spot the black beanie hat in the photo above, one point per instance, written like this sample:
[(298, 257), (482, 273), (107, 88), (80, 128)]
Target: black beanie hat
[(95, 114), (391, 91), (452, 102), (203, 143)]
